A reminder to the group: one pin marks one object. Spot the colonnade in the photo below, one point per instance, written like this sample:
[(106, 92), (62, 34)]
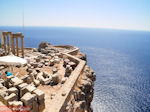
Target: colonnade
[(11, 39)]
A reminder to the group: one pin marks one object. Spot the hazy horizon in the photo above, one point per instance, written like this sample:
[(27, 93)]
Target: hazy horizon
[(111, 14)]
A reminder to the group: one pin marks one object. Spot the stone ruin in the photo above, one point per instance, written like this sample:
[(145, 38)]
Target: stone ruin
[(19, 92)]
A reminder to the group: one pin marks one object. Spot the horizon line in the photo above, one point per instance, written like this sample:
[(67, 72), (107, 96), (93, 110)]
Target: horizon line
[(79, 27)]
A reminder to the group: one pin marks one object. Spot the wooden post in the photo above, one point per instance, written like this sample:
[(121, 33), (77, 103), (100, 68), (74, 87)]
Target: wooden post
[(22, 46), (8, 42), (17, 46)]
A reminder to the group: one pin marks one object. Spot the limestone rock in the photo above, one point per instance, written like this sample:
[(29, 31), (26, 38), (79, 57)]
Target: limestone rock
[(55, 78)]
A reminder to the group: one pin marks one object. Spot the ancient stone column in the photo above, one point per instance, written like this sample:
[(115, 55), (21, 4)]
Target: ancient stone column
[(22, 45), (8, 43), (11, 39), (2, 40), (17, 46), (4, 44), (13, 45)]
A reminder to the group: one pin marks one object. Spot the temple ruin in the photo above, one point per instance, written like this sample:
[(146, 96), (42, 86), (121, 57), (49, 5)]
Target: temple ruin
[(12, 44), (55, 79)]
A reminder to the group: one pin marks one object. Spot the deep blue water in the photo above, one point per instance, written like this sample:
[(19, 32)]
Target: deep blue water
[(120, 59)]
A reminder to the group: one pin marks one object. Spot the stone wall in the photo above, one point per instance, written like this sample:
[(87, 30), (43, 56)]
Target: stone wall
[(80, 100)]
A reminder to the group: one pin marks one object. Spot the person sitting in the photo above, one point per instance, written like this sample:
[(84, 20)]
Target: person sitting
[(8, 73)]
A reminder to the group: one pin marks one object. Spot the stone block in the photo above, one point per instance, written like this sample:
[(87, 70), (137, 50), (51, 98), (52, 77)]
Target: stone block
[(28, 99), (40, 94), (57, 60), (3, 94), (30, 88), (36, 83), (2, 81), (41, 107), (24, 78), (15, 103), (13, 90), (55, 78), (11, 97), (46, 81), (22, 86), (35, 107), (54, 70), (63, 80), (16, 81), (29, 80), (23, 91)]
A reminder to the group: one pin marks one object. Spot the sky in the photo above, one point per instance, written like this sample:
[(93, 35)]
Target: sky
[(116, 14)]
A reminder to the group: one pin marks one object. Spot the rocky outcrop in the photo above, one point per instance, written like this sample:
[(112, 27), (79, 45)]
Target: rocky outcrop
[(82, 96), (82, 56), (46, 48)]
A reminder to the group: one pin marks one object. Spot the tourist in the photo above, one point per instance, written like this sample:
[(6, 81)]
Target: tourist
[(8, 73)]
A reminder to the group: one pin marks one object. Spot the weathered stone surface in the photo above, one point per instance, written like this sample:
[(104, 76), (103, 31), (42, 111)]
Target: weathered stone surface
[(36, 82), (63, 80), (3, 94), (79, 106), (40, 94), (66, 61), (72, 64), (55, 78), (16, 81), (30, 88), (2, 81), (15, 103), (23, 91), (40, 65), (22, 86), (43, 45), (35, 106), (29, 80), (82, 56), (54, 70), (68, 70), (11, 97), (35, 50), (13, 90), (35, 65), (41, 107), (46, 81), (24, 78), (28, 99)]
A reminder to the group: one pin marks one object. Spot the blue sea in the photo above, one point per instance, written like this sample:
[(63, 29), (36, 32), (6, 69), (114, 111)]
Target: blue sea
[(120, 59)]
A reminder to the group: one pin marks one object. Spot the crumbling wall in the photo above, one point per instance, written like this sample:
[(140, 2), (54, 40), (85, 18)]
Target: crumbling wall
[(80, 100)]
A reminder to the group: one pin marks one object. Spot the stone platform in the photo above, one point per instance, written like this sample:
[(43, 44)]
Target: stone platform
[(56, 79)]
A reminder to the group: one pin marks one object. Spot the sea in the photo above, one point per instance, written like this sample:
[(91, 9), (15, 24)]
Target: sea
[(120, 59)]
